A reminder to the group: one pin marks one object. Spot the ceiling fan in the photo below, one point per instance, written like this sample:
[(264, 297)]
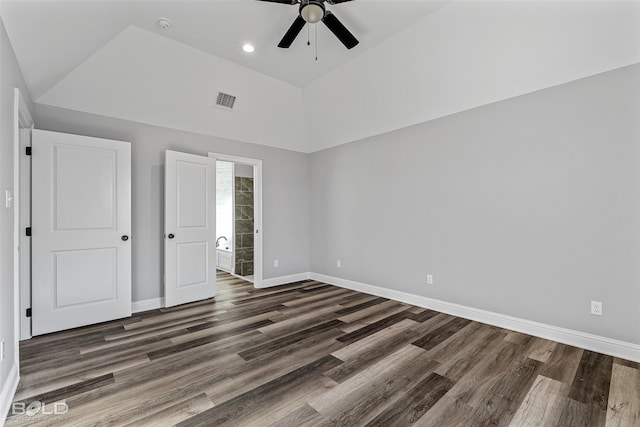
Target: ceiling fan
[(313, 11)]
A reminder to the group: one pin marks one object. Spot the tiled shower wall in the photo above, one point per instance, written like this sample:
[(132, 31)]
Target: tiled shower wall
[(244, 226)]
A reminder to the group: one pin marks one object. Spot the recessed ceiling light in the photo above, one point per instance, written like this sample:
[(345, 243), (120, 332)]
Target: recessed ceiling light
[(248, 47)]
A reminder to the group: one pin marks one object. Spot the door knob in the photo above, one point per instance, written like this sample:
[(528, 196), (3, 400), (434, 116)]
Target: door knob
[(125, 238), (171, 236)]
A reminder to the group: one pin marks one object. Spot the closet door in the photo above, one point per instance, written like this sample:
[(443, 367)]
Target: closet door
[(190, 228), (81, 229)]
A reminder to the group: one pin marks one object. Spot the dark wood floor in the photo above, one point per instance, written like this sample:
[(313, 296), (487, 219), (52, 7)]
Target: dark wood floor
[(310, 354)]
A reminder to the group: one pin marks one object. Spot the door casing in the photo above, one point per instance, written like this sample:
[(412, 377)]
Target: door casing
[(257, 203), (23, 125)]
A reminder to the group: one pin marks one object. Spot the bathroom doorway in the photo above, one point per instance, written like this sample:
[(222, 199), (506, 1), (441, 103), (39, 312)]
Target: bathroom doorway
[(239, 217)]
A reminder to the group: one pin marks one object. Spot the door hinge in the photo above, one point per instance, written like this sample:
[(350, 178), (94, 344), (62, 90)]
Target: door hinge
[(28, 231), (28, 312), (28, 151)]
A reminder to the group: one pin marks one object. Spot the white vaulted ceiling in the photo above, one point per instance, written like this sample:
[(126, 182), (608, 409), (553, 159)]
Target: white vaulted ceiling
[(417, 60)]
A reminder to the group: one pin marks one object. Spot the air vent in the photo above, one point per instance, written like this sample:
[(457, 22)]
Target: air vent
[(226, 101)]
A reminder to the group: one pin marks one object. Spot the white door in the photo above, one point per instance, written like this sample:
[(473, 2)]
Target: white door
[(190, 228), (81, 225)]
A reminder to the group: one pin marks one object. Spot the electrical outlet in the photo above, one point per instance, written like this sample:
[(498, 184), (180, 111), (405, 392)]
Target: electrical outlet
[(338, 263), (429, 279), (596, 308), (275, 263), (2, 346)]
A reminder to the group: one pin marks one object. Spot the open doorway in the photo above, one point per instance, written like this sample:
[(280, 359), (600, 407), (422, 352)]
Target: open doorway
[(238, 217)]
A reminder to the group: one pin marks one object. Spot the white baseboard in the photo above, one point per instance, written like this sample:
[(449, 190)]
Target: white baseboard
[(147, 304), (584, 340), (283, 280), (8, 391)]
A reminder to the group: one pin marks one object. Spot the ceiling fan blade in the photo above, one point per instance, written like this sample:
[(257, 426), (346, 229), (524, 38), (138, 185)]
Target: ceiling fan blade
[(283, 1), (337, 1), (339, 30), (292, 32)]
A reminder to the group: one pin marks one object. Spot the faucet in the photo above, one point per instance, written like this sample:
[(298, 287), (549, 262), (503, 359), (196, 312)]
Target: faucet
[(218, 240)]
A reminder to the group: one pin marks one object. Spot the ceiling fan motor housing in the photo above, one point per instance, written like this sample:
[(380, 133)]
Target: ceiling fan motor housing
[(312, 11)]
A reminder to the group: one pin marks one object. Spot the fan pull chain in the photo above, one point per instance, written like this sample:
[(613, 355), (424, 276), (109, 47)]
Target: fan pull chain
[(316, 42), (308, 34)]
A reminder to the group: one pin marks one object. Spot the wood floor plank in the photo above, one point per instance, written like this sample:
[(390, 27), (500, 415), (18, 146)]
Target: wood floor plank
[(170, 318), (518, 338), (624, 362), (207, 339), (228, 412), (372, 314), (455, 365), (361, 354), (578, 414), (458, 342), (361, 306), (563, 363), (225, 326), (295, 309), (122, 342), (286, 324), (447, 412), (304, 415), (281, 404), (624, 397), (423, 315), (542, 406), (592, 381), (502, 400), (34, 385), (420, 399), (274, 345), (70, 390), (444, 332), (139, 397), (315, 297), (373, 348), (272, 365), (175, 413), (367, 330), (364, 396), (157, 330), (541, 349), (472, 388)]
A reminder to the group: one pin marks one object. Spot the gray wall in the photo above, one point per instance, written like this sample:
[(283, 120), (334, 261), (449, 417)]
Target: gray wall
[(10, 78), (528, 207), (285, 185)]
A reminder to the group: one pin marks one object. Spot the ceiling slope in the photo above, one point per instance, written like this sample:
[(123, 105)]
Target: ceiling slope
[(468, 54), (143, 77)]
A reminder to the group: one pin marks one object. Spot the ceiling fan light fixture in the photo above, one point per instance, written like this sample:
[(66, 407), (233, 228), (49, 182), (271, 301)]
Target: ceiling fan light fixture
[(312, 11)]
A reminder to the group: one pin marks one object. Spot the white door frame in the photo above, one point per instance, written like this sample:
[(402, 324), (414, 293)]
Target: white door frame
[(22, 120), (257, 210)]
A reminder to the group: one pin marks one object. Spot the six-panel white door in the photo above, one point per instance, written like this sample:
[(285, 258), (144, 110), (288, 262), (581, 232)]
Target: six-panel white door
[(190, 235), (81, 222)]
